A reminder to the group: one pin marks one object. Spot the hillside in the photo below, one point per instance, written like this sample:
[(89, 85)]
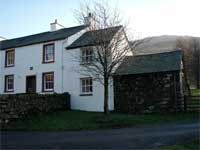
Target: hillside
[(159, 44)]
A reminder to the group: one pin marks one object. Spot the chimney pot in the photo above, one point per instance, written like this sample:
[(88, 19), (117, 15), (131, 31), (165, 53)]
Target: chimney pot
[(55, 26), (89, 20)]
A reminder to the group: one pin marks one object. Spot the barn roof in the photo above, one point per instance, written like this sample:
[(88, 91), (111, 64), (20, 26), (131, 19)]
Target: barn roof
[(95, 37), (151, 63), (41, 37)]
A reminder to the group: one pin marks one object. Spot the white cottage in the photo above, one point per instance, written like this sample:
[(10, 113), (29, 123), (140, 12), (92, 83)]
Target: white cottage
[(44, 63)]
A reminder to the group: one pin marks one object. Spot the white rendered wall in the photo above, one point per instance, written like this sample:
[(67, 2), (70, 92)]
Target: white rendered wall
[(31, 56), (1, 73), (72, 85)]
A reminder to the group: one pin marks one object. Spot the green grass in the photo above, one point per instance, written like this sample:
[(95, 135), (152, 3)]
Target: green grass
[(194, 145), (77, 120), (195, 92)]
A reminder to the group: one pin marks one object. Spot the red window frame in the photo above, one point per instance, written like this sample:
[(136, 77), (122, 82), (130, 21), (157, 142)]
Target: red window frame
[(6, 58), (6, 83), (44, 82), (44, 53)]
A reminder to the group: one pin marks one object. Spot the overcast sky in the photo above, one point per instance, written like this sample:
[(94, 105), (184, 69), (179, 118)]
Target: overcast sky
[(146, 17)]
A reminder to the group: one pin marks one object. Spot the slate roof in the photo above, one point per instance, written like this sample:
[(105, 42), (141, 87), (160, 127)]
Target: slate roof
[(91, 38), (151, 63), (41, 37)]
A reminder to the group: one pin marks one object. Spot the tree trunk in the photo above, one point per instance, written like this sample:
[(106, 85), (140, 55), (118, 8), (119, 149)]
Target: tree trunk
[(185, 71), (198, 69), (106, 111)]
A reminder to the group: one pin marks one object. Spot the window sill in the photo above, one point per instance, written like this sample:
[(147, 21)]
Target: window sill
[(48, 62), (9, 91), (86, 63), (50, 91), (9, 66), (86, 94)]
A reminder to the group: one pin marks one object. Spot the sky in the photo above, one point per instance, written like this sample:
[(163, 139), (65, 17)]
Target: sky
[(146, 17)]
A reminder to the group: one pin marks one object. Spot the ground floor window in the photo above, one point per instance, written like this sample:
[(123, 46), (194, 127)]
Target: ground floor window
[(86, 85), (48, 81), (9, 83)]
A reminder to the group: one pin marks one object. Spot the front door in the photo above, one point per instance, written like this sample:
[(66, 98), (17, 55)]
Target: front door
[(31, 84)]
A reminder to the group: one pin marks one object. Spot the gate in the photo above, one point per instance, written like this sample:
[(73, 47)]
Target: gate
[(192, 103)]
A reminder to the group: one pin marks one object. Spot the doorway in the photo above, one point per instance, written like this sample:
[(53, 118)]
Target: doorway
[(31, 84)]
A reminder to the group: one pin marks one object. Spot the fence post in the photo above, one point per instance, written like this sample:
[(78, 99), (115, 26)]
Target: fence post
[(185, 103), (68, 100), (175, 93)]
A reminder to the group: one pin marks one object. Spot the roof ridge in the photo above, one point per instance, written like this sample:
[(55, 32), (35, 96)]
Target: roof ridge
[(43, 33), (41, 37), (158, 53), (119, 26)]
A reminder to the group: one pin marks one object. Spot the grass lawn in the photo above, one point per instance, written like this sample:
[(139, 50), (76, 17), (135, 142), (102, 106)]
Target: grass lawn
[(78, 120), (195, 92), (194, 145)]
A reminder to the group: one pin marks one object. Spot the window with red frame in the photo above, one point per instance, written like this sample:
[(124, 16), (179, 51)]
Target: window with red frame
[(48, 81), (48, 53), (10, 58), (9, 83)]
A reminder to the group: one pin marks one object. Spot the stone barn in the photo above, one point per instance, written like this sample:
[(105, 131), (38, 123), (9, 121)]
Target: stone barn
[(149, 83)]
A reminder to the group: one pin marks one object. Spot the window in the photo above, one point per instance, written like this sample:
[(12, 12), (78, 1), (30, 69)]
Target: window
[(9, 83), (48, 82), (86, 86), (86, 55), (10, 58), (48, 53)]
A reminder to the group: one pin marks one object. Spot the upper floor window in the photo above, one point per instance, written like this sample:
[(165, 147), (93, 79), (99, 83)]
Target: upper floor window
[(86, 55), (48, 53), (86, 86), (9, 83), (48, 81), (10, 58)]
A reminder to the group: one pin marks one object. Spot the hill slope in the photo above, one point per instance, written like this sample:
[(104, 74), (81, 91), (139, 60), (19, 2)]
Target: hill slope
[(159, 44)]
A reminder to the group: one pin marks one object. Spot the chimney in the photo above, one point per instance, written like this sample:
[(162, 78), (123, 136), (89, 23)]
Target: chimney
[(55, 26), (89, 20), (2, 38)]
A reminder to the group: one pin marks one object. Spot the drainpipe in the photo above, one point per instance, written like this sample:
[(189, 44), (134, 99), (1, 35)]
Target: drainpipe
[(62, 64)]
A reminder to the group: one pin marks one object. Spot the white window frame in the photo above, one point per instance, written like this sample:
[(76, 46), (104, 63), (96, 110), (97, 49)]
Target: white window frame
[(86, 85), (48, 82), (7, 82), (87, 55)]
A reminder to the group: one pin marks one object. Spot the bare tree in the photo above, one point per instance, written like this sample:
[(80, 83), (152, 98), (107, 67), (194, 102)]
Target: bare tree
[(191, 60), (194, 46), (108, 42), (183, 45)]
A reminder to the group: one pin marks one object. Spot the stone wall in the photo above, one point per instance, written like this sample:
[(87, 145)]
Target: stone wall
[(146, 93), (17, 106)]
